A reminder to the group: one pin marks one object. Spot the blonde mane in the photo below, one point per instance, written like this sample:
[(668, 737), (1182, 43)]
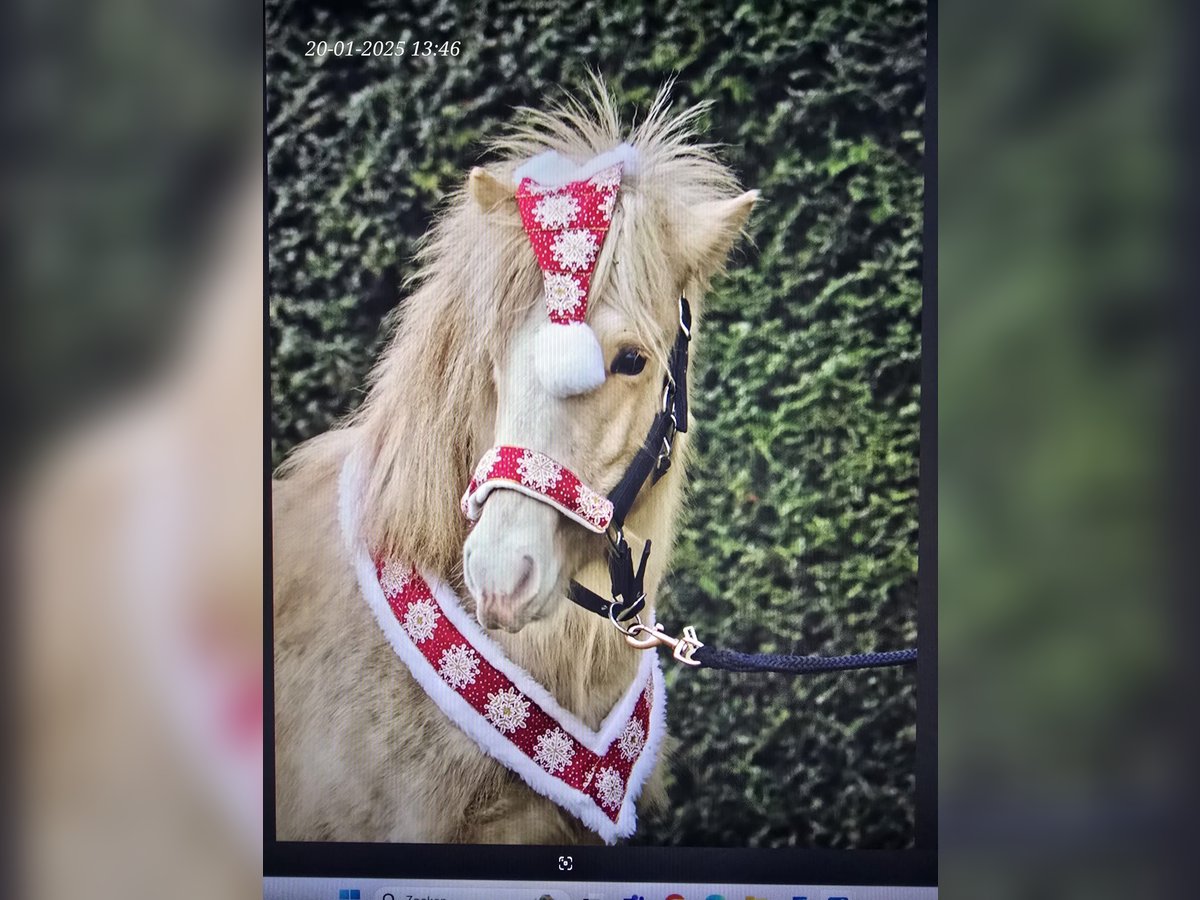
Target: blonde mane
[(426, 418)]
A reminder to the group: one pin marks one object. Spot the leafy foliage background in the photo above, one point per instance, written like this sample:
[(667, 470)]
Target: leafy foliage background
[(802, 528)]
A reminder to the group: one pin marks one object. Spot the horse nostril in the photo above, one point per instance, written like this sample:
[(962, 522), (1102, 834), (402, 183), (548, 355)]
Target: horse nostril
[(528, 570)]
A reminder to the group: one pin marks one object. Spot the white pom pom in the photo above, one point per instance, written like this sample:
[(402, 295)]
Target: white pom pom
[(569, 359)]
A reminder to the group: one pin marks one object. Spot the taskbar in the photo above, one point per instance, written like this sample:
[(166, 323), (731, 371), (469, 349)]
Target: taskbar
[(430, 889)]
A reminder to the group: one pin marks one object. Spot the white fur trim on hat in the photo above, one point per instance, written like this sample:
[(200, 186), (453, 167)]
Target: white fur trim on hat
[(552, 169), (568, 359)]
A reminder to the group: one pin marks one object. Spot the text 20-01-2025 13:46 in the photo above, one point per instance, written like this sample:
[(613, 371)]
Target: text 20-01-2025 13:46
[(349, 47)]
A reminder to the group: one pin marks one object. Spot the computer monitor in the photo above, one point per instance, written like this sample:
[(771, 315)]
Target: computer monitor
[(600, 539)]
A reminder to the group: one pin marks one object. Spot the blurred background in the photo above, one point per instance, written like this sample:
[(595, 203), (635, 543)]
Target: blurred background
[(802, 527), (133, 269), (1067, 491)]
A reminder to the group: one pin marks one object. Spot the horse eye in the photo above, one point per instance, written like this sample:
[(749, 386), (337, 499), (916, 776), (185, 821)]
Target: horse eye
[(628, 362)]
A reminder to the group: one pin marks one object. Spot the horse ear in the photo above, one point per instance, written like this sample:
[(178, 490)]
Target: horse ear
[(487, 190), (713, 227)]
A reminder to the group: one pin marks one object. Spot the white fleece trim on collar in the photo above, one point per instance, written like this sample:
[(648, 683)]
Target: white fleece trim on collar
[(472, 722)]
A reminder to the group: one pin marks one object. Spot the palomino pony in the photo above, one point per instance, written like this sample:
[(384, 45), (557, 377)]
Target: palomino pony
[(365, 750)]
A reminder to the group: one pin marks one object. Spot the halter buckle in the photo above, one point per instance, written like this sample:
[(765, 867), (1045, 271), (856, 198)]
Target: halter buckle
[(663, 461), (628, 593), (685, 317), (616, 536)]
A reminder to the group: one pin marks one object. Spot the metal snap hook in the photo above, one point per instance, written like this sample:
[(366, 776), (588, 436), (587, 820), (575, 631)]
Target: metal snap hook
[(683, 648)]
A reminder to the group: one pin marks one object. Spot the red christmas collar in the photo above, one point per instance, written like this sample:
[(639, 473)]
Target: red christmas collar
[(540, 477), (595, 775)]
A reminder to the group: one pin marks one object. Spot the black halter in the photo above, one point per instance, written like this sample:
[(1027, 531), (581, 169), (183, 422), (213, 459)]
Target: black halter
[(628, 592), (652, 461)]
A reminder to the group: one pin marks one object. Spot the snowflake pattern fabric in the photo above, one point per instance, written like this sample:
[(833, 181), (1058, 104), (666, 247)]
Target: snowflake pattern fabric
[(609, 203), (566, 227), (395, 577), (507, 710), (592, 778), (538, 470), (556, 210), (575, 250), (607, 180), (610, 787), (420, 620), (594, 507), (563, 294), (486, 463), (554, 750), (459, 665), (541, 477), (632, 739)]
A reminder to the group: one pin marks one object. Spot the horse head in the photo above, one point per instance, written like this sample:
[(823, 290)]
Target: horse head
[(584, 399)]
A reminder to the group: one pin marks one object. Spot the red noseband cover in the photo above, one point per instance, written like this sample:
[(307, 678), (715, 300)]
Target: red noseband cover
[(538, 476)]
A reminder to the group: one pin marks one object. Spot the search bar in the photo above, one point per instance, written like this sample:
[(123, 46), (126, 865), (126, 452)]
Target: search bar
[(403, 893)]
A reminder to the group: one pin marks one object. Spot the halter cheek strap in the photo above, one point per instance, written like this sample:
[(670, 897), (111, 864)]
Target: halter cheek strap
[(653, 458), (538, 476)]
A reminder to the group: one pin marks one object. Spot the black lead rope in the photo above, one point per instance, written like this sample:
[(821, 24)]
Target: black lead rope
[(733, 661), (653, 458), (709, 657)]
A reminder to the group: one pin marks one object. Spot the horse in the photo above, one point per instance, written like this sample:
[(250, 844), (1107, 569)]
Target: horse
[(362, 752)]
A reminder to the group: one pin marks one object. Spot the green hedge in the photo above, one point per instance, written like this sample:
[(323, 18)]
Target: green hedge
[(801, 532)]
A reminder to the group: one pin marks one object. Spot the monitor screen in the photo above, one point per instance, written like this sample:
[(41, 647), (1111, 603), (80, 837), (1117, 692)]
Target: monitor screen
[(599, 535)]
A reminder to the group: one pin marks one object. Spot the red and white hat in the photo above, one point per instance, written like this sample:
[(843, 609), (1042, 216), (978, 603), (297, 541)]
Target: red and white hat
[(566, 210)]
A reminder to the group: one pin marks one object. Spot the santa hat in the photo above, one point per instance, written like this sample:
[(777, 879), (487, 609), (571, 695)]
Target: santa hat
[(566, 210)]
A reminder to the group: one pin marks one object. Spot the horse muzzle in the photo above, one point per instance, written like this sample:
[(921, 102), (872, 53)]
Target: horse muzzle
[(510, 562)]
